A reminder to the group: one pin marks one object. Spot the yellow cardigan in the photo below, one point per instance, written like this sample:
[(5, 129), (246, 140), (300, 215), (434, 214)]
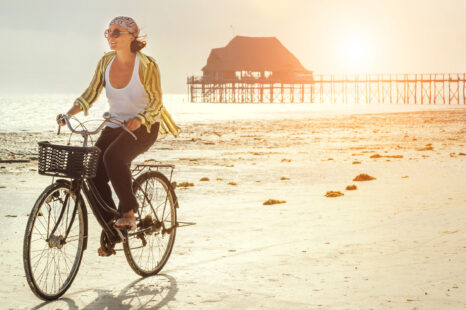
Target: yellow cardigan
[(154, 109)]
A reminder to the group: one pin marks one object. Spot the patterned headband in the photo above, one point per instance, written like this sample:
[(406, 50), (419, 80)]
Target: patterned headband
[(126, 22)]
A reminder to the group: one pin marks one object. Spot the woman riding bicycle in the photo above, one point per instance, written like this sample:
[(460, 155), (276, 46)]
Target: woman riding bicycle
[(132, 85)]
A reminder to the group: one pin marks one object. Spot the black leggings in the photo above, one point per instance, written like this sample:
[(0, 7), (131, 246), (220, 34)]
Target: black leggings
[(118, 149)]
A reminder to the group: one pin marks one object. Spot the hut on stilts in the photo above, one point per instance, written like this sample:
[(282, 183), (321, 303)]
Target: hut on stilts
[(247, 69), (262, 70)]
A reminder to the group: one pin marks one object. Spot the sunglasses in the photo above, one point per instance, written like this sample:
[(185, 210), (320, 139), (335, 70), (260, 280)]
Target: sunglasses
[(114, 34)]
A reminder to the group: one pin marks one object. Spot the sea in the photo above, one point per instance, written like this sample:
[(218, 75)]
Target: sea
[(37, 112)]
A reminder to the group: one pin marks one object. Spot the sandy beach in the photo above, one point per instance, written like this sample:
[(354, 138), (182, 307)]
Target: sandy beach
[(396, 242)]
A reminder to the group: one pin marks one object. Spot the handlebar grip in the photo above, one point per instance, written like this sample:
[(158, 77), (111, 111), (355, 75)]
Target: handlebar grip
[(60, 121)]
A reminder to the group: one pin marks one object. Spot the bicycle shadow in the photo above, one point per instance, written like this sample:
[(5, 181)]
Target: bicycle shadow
[(144, 293)]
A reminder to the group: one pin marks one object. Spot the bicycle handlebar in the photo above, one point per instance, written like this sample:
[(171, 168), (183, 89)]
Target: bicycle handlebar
[(108, 118)]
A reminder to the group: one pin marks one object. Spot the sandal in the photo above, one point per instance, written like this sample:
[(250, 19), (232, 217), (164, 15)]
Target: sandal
[(104, 253), (106, 246), (126, 223)]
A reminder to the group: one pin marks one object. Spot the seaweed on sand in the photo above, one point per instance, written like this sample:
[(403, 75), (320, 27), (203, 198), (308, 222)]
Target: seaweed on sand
[(364, 177), (273, 202), (333, 194)]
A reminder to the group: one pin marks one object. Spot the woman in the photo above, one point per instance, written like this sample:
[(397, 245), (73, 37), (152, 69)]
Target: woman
[(132, 84)]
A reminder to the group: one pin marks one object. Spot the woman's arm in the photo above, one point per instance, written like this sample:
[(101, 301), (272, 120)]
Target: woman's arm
[(74, 110), (90, 95), (154, 106)]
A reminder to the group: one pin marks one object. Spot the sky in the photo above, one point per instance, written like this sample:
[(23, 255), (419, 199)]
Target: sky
[(53, 46)]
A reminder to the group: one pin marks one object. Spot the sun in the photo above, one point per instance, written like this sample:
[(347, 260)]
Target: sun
[(355, 53), (355, 50)]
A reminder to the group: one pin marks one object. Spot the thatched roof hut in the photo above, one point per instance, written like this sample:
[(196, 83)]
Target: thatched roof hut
[(259, 58)]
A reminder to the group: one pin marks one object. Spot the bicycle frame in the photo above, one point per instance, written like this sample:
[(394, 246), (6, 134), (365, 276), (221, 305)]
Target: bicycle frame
[(78, 187), (96, 202)]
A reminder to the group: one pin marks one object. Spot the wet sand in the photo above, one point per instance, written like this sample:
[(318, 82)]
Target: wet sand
[(396, 242)]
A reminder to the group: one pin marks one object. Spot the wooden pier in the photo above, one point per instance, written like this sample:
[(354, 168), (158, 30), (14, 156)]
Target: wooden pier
[(443, 88)]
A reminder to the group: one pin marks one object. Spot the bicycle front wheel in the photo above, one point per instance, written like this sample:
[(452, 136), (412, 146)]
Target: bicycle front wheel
[(148, 248), (51, 256)]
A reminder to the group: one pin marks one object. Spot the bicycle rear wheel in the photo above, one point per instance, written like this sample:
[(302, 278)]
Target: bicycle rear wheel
[(149, 247), (51, 262)]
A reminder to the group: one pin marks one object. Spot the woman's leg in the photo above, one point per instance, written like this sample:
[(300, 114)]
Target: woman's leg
[(101, 179), (117, 160)]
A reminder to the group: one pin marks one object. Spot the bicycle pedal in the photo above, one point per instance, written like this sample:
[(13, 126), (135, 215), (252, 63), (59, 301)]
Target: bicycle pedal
[(125, 228), (120, 233)]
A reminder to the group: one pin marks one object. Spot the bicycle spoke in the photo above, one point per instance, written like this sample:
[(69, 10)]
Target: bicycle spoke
[(45, 271), (140, 257), (69, 242), (46, 265), (71, 239), (46, 245), (54, 271), (50, 268), (60, 276), (65, 260), (43, 225), (41, 256), (43, 237), (159, 248), (149, 254)]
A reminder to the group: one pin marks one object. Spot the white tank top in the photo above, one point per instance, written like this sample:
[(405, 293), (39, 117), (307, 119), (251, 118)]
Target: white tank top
[(128, 101)]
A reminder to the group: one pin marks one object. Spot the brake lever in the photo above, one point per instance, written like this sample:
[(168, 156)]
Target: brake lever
[(129, 131)]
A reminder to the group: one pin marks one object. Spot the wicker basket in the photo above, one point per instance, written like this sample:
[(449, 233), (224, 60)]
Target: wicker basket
[(68, 161)]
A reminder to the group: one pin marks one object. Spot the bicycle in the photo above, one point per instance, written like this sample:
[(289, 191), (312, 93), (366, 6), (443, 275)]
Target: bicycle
[(57, 229)]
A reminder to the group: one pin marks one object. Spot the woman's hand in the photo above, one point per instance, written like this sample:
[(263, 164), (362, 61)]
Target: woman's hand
[(61, 123), (74, 110), (133, 123)]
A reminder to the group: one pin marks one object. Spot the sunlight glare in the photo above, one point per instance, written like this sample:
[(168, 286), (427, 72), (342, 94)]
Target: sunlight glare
[(355, 50), (355, 53)]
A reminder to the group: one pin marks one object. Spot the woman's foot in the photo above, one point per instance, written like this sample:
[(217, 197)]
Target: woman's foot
[(102, 253), (128, 221)]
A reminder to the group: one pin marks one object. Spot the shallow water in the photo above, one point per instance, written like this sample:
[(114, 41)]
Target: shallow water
[(37, 112)]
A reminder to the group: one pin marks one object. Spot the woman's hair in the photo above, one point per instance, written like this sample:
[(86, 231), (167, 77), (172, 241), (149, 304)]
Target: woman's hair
[(137, 45)]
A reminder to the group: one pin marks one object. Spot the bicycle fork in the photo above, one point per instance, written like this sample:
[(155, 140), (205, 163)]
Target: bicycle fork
[(59, 241)]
